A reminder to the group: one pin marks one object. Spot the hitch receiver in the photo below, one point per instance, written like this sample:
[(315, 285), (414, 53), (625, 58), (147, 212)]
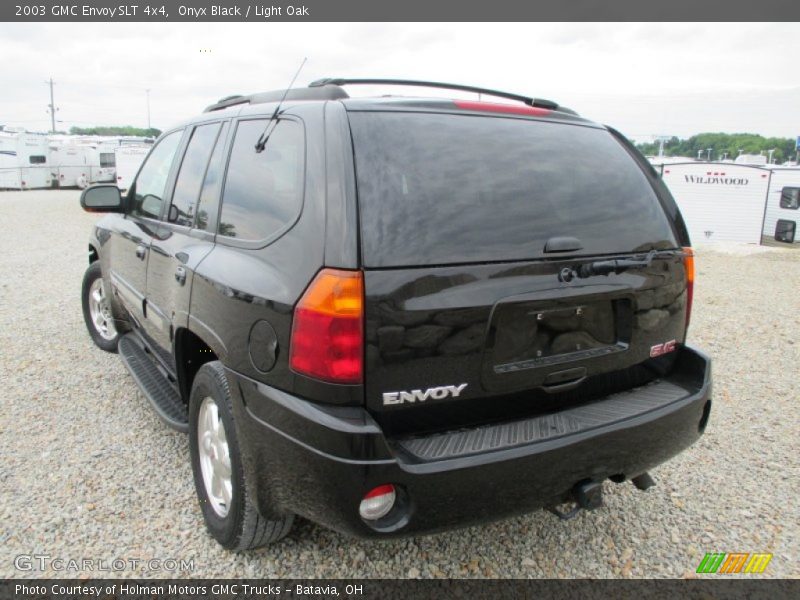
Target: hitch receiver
[(588, 496)]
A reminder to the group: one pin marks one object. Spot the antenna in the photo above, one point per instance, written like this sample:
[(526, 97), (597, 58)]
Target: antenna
[(262, 140)]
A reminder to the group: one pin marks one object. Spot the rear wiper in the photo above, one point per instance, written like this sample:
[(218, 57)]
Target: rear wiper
[(606, 267)]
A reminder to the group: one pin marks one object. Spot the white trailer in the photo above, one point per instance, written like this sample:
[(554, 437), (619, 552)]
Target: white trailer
[(128, 160), (79, 165), (720, 202), (782, 214), (23, 161)]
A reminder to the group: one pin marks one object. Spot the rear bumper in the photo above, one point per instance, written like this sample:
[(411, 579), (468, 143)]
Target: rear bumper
[(318, 462)]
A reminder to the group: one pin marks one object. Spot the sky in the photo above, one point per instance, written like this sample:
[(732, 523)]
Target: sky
[(645, 79)]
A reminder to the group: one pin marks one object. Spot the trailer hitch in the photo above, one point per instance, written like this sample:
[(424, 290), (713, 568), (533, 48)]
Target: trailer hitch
[(587, 496)]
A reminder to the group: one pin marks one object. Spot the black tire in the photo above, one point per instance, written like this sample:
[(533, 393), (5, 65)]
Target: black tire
[(99, 337), (243, 527)]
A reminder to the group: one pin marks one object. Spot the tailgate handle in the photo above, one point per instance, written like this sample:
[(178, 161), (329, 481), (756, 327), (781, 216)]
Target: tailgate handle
[(561, 381)]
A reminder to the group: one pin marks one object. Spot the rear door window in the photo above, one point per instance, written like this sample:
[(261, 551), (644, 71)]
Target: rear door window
[(208, 205), (444, 189), (190, 176)]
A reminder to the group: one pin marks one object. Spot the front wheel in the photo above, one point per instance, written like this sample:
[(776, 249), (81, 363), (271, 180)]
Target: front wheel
[(97, 310), (230, 514)]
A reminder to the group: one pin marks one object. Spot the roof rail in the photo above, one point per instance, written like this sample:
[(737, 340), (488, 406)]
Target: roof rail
[(323, 92), (536, 102)]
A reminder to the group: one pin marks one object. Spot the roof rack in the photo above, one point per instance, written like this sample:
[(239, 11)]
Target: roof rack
[(322, 92), (536, 102)]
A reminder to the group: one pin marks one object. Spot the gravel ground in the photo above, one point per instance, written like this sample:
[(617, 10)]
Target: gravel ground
[(89, 471)]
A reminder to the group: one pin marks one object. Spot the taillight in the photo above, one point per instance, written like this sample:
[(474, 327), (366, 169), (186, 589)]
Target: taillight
[(327, 332), (688, 263)]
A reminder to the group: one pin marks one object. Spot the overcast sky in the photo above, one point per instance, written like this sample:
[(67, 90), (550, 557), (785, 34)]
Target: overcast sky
[(644, 79)]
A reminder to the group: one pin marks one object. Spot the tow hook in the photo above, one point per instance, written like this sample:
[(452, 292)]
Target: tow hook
[(587, 495)]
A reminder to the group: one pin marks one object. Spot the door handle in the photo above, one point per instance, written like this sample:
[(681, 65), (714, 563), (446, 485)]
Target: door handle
[(141, 251), (180, 275)]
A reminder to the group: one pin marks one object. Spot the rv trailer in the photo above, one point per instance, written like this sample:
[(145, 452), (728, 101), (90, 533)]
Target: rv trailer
[(720, 201), (79, 165), (23, 161), (128, 159), (782, 213)]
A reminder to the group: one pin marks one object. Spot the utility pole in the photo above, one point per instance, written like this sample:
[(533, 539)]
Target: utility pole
[(52, 107), (148, 107), (661, 139)]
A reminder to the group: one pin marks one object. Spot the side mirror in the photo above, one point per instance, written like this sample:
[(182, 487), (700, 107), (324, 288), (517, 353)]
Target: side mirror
[(104, 197)]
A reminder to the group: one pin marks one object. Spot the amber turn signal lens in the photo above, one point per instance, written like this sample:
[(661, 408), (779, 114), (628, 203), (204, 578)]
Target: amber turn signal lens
[(327, 330)]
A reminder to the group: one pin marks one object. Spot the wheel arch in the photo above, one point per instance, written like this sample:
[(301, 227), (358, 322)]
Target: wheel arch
[(191, 352)]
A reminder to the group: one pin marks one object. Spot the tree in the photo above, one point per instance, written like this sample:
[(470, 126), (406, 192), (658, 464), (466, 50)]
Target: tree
[(116, 130), (722, 144)]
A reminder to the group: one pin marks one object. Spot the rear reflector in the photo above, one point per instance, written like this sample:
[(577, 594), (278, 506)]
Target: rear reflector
[(514, 109), (327, 331), (688, 263), (377, 502)]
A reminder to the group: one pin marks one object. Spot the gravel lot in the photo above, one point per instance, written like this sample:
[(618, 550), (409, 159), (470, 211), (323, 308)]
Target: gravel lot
[(88, 470)]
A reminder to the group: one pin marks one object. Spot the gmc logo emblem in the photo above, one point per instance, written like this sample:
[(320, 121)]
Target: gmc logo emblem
[(664, 348)]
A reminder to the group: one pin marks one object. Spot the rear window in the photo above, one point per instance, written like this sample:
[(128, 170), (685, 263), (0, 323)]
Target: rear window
[(443, 189)]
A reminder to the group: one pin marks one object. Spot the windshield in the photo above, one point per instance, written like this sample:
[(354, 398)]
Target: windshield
[(437, 189)]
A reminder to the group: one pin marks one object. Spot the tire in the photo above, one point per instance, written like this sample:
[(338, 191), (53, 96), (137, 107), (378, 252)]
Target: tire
[(97, 312), (230, 514)]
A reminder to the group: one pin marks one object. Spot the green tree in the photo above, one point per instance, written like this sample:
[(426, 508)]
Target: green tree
[(722, 144), (116, 130)]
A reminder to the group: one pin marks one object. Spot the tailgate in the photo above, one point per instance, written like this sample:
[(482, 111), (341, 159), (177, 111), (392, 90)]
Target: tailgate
[(454, 346)]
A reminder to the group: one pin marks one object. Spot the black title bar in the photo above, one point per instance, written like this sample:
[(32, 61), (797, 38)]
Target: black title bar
[(389, 589), (407, 10)]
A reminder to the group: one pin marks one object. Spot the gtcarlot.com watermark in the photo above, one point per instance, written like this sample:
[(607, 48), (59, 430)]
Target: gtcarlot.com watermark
[(46, 562)]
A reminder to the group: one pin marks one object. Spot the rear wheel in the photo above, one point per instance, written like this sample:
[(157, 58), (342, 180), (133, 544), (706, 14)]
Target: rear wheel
[(230, 514), (97, 310)]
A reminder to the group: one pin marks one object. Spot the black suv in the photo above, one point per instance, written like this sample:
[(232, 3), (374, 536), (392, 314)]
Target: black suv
[(396, 315)]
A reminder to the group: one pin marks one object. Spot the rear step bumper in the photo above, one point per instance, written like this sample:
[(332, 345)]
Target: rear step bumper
[(320, 461)]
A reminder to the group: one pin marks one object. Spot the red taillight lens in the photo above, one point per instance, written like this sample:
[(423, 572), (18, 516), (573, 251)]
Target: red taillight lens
[(688, 263), (327, 332)]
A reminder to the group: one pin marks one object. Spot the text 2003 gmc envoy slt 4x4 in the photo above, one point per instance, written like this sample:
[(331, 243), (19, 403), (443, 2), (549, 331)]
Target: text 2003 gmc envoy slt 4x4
[(394, 316)]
